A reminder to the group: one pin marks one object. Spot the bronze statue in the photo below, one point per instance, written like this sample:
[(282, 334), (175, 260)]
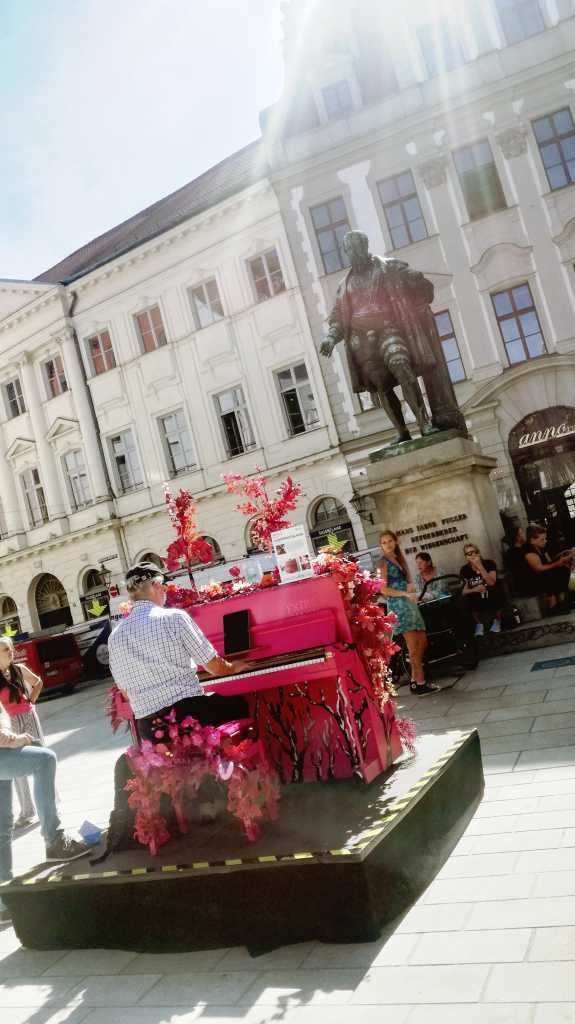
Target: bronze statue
[(382, 312)]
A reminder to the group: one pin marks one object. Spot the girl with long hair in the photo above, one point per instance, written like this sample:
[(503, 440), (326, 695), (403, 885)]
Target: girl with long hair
[(19, 691), (398, 591)]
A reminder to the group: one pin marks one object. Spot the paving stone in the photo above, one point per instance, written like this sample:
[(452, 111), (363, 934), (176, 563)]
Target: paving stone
[(35, 992), (176, 963), (49, 1014), (200, 987), (528, 741), (553, 883), (478, 865), (472, 1013), (553, 944), (531, 982), (30, 963), (238, 958), (563, 720), (529, 913), (315, 1014), (554, 1013), (312, 987), (482, 947), (81, 962), (453, 984), (497, 764), (470, 890), (506, 727), (112, 989), (550, 758), (538, 820), (424, 918), (389, 952), (504, 842), (522, 708), (505, 808), (560, 693), (538, 863)]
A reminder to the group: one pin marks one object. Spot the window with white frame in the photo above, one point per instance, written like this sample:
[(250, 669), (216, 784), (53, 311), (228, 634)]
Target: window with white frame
[(331, 225), (519, 19), (13, 398), (235, 421), (150, 328), (479, 179), (267, 276), (100, 353), (441, 47), (206, 303), (337, 100), (299, 404), (77, 480), (402, 209), (555, 134), (177, 442), (55, 376), (34, 498), (519, 323), (449, 345), (126, 461)]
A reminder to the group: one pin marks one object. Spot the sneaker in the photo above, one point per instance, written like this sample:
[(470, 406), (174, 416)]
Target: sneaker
[(479, 630), (25, 822), (65, 848), (495, 626), (424, 689)]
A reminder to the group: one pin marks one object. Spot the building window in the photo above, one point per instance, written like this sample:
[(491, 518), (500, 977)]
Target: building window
[(100, 353), (519, 19), (479, 179), (14, 398), (569, 496), (267, 275), (331, 226), (555, 136), (441, 48), (298, 400), (337, 100), (77, 479), (235, 421), (402, 210), (206, 303), (126, 461), (55, 377), (449, 346), (34, 497), (519, 323), (177, 442), (150, 327)]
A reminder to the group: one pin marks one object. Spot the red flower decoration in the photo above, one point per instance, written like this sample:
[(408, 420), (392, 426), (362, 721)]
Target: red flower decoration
[(269, 514)]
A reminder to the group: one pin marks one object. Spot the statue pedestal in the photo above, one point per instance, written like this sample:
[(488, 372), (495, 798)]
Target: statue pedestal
[(436, 497)]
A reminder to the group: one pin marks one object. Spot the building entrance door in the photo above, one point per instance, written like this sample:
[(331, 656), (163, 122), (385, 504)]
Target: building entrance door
[(542, 449)]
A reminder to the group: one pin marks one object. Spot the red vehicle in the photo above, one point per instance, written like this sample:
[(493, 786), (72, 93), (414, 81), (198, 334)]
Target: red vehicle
[(56, 659)]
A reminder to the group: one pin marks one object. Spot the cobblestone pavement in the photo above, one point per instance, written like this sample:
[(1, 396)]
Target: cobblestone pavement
[(492, 940)]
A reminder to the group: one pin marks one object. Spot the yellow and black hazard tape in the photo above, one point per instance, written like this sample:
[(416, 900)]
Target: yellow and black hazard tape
[(357, 846)]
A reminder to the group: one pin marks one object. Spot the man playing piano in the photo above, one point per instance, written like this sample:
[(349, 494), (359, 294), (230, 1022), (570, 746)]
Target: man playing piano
[(154, 654)]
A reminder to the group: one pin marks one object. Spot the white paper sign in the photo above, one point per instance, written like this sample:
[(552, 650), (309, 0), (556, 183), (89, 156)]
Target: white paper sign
[(292, 551)]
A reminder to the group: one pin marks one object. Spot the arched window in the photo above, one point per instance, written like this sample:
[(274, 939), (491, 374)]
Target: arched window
[(150, 556), (218, 557), (253, 546), (52, 602), (330, 516), (95, 599), (9, 618)]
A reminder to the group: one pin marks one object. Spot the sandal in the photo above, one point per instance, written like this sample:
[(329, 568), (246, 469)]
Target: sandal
[(424, 689)]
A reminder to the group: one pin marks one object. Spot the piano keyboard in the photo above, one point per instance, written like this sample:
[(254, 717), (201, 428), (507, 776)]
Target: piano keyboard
[(281, 666)]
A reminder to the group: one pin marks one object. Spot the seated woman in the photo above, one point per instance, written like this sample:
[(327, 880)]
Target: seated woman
[(427, 573), (482, 593), (400, 598), (547, 577), (515, 563)]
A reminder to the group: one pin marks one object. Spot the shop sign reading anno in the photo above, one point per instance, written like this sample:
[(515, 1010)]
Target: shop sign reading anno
[(549, 433)]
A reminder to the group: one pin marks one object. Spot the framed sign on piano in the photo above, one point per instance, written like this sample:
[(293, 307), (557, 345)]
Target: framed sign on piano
[(292, 550)]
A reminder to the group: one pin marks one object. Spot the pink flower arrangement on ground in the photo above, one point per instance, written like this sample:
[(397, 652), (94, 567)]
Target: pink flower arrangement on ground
[(189, 547), (269, 514), (186, 755)]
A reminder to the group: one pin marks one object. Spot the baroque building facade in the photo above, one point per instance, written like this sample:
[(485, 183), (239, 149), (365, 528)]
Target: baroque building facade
[(184, 343)]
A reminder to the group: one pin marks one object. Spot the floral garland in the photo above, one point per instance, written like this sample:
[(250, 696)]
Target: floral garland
[(186, 755), (269, 514)]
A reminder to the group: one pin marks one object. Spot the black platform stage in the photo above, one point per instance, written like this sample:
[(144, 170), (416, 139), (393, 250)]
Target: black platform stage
[(343, 861)]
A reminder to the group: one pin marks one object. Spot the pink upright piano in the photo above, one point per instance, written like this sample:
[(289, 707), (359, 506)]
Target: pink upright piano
[(307, 687)]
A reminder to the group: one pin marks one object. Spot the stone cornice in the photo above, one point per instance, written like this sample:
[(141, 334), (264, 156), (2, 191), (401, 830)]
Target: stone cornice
[(19, 315)]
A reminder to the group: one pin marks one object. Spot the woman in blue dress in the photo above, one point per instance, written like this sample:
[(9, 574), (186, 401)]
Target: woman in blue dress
[(400, 597)]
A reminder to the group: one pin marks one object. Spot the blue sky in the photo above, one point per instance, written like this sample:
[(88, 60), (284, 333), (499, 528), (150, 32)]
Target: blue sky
[(107, 105)]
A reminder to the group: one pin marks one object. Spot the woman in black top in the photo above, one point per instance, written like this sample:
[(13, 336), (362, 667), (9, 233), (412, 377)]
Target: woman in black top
[(548, 577), (483, 594)]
